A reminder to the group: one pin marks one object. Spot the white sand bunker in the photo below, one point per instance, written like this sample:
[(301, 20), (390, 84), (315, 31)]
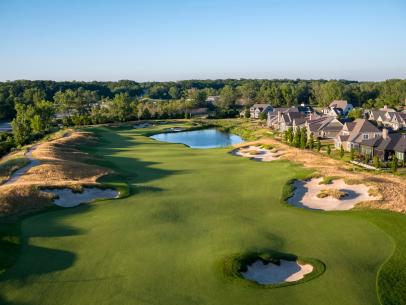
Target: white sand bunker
[(257, 153), (307, 194), (67, 198), (270, 273)]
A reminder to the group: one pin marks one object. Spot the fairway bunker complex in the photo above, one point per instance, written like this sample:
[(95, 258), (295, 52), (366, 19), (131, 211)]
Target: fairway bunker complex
[(67, 198), (266, 273), (257, 153), (307, 194)]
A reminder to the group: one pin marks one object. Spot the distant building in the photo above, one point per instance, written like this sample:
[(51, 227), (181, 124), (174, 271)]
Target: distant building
[(338, 108), (256, 109), (390, 119), (212, 99)]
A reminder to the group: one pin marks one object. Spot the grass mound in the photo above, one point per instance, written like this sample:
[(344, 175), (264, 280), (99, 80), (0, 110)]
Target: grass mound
[(335, 193)]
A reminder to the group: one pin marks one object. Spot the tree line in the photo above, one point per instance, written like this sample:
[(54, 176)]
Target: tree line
[(232, 92), (35, 107)]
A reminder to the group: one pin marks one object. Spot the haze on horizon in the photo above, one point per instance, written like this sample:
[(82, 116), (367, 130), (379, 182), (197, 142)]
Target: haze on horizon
[(161, 40)]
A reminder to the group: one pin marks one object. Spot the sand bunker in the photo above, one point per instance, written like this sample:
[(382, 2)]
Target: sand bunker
[(257, 153), (67, 198), (270, 273), (21, 171), (306, 195), (142, 125), (176, 129)]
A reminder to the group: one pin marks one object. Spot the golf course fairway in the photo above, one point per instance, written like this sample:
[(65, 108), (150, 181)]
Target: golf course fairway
[(188, 210)]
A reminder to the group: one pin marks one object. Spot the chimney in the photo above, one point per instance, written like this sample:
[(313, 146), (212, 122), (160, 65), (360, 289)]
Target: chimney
[(385, 133), (385, 107)]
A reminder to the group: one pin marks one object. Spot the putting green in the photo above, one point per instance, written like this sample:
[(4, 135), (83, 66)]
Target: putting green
[(188, 210)]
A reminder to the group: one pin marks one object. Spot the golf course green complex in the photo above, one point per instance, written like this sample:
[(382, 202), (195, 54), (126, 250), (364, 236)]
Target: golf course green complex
[(188, 212)]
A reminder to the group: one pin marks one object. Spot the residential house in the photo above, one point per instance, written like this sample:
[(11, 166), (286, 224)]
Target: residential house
[(386, 146), (212, 99), (353, 133), (338, 108), (256, 109), (274, 117), (386, 108), (202, 112), (324, 127), (389, 119), (291, 119)]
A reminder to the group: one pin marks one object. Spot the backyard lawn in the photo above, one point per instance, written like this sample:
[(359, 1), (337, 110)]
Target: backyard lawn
[(189, 210)]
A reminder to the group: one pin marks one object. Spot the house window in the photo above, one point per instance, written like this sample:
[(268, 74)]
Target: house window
[(365, 136), (400, 155)]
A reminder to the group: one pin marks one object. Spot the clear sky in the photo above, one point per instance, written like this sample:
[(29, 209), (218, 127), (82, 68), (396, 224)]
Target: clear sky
[(174, 40)]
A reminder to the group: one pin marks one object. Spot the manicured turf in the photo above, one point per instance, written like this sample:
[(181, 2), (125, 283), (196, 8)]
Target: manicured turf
[(188, 210)]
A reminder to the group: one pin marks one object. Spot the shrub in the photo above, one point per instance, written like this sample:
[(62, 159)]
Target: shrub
[(328, 150), (341, 151), (376, 162), (352, 154), (331, 193), (394, 164)]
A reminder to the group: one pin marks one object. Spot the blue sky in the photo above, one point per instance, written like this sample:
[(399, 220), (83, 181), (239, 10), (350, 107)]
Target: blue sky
[(174, 40)]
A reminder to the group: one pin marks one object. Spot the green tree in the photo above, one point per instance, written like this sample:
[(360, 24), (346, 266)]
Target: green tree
[(174, 92), (318, 145), (37, 125), (356, 113), (394, 164), (366, 159), (341, 151), (352, 154), (303, 138), (290, 135), (311, 141), (21, 125), (227, 97), (247, 113), (376, 162), (296, 138), (121, 107), (263, 116), (328, 150)]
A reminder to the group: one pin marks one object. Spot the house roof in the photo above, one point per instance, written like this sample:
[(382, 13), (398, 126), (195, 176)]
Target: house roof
[(339, 104), (394, 141), (350, 125), (361, 126), (261, 106), (343, 138), (401, 144), (288, 117)]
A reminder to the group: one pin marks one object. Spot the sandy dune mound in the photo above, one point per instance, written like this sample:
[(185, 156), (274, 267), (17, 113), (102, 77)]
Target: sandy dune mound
[(269, 273), (257, 153), (57, 163), (311, 194)]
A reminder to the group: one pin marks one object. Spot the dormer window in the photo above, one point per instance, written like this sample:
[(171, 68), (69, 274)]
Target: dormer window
[(365, 136)]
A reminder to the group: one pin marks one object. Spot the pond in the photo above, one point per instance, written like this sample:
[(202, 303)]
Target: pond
[(205, 138)]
